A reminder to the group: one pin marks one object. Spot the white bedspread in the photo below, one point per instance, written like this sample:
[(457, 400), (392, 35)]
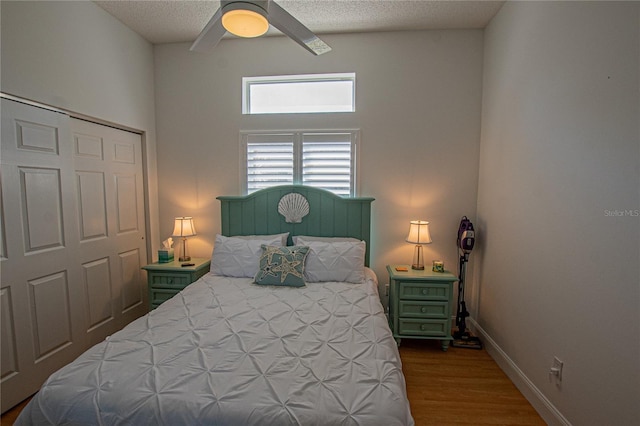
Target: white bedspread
[(228, 352)]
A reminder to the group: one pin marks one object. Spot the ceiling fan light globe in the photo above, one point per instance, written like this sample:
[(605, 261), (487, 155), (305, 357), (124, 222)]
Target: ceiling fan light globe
[(245, 23)]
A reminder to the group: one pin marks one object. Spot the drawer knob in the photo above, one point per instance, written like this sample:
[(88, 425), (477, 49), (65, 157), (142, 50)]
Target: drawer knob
[(423, 327), (170, 280), (424, 291), (423, 309)]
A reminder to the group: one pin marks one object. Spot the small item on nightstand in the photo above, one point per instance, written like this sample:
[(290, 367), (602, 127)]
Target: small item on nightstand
[(188, 264), (438, 266), (402, 269), (165, 254)]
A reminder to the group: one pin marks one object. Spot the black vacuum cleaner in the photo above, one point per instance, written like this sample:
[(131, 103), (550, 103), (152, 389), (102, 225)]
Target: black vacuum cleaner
[(466, 240)]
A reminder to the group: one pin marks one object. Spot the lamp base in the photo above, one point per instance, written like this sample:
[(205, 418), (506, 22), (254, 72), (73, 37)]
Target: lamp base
[(418, 259), (184, 257)]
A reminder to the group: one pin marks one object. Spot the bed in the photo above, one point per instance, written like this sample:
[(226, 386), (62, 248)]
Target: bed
[(296, 336)]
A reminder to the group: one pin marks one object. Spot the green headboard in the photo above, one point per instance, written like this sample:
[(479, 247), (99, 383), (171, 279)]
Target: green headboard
[(329, 215)]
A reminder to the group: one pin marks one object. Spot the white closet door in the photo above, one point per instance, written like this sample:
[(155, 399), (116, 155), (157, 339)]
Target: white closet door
[(72, 242), (42, 298), (109, 187)]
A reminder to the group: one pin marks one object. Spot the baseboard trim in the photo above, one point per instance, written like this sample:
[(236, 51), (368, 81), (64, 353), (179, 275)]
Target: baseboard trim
[(540, 403)]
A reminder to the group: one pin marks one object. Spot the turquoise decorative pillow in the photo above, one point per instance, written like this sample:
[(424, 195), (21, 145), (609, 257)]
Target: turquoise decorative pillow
[(282, 266)]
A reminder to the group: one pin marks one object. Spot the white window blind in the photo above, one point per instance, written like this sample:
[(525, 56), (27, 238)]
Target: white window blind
[(327, 161), (321, 159), (269, 160)]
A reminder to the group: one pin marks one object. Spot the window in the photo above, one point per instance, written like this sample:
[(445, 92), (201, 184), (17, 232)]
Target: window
[(323, 159), (311, 93)]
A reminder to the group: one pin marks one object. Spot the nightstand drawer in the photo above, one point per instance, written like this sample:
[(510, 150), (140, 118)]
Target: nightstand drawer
[(158, 296), (422, 291), (423, 327), (415, 309), (178, 281)]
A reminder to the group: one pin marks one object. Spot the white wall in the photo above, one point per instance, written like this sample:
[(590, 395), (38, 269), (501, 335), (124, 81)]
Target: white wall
[(75, 56), (418, 108), (560, 153)]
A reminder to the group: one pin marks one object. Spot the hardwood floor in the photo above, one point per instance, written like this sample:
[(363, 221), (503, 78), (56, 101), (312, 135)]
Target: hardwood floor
[(457, 387), (460, 387), (10, 416)]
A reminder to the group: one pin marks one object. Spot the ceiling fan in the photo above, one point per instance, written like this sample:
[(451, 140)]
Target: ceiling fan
[(251, 18)]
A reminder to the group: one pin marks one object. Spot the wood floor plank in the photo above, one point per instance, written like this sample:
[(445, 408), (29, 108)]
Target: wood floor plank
[(460, 387)]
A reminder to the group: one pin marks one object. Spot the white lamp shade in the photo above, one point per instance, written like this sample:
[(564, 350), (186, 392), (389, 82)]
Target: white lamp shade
[(419, 232), (184, 227), (245, 19)]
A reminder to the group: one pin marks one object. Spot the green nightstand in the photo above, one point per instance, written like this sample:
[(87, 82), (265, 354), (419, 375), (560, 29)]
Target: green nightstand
[(420, 304), (165, 280)]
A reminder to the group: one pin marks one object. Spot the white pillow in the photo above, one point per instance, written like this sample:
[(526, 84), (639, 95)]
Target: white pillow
[(283, 237), (327, 239), (334, 260), (239, 257)]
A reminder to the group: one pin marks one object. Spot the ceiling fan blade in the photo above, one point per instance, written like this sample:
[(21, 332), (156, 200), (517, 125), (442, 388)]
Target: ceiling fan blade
[(210, 35), (282, 20)]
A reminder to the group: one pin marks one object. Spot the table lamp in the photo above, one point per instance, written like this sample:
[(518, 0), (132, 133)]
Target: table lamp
[(418, 235), (184, 228)]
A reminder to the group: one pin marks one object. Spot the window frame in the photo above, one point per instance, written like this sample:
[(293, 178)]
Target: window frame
[(247, 82), (298, 136)]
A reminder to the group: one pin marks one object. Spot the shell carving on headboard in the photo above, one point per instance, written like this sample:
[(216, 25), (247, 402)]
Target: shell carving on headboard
[(293, 207)]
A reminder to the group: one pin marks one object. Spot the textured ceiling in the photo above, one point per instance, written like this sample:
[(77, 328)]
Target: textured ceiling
[(182, 21)]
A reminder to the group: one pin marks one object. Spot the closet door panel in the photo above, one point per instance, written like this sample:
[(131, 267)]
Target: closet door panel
[(92, 205), (8, 356), (131, 293), (42, 218), (40, 276), (108, 166), (50, 304), (97, 280)]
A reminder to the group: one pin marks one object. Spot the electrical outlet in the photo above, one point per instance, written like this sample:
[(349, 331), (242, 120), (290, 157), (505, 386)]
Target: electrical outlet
[(556, 369)]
